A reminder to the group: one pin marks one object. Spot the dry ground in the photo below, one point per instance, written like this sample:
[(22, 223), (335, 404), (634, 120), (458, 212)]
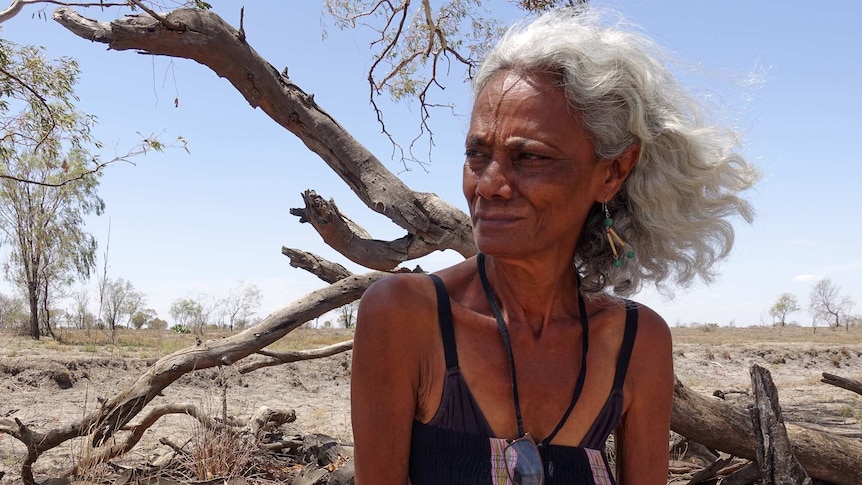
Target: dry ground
[(47, 384)]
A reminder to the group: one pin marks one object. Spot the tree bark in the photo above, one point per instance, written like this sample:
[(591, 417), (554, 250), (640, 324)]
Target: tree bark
[(722, 426), (34, 311), (209, 40), (777, 463)]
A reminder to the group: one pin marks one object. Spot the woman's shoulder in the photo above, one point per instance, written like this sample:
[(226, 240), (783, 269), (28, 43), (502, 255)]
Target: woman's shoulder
[(401, 293), (408, 289), (651, 325), (612, 316), (652, 354)]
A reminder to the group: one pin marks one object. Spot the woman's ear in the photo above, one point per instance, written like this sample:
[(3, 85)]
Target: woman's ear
[(619, 169)]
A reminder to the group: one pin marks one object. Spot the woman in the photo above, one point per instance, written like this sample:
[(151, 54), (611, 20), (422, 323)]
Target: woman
[(587, 173)]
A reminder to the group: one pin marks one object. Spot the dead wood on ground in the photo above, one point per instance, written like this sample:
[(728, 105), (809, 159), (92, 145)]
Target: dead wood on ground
[(842, 382)]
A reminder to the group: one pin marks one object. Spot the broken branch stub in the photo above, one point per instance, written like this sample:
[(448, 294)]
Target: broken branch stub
[(778, 466)]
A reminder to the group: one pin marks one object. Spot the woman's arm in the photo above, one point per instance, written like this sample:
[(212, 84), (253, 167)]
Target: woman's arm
[(385, 379), (642, 438)]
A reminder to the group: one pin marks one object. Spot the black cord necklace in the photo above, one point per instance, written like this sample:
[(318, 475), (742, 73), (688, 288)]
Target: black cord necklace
[(504, 335)]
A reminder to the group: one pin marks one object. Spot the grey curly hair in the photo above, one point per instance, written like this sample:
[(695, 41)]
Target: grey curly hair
[(674, 207)]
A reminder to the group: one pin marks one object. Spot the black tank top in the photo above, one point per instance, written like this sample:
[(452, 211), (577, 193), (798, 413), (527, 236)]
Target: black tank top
[(458, 447)]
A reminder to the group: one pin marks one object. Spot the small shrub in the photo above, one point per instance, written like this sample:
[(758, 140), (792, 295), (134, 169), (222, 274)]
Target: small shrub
[(181, 329), (846, 411)]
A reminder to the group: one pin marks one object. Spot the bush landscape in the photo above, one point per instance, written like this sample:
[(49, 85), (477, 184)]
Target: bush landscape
[(46, 384)]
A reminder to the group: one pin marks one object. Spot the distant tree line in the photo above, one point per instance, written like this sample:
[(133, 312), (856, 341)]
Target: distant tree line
[(827, 305), (120, 305)]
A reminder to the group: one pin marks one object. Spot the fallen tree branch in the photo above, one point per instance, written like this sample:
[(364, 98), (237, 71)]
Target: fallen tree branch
[(322, 268), (137, 432), (118, 411), (226, 351), (722, 426), (279, 358), (210, 41), (354, 242), (842, 382)]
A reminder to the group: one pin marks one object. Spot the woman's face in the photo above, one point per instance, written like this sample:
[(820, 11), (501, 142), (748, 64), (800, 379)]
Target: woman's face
[(530, 175)]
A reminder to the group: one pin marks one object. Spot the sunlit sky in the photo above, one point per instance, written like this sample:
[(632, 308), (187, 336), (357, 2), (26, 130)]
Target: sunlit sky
[(183, 225)]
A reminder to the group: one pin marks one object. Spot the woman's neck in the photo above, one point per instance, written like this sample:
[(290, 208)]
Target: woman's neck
[(533, 292)]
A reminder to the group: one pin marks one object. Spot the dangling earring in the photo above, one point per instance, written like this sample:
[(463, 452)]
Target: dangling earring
[(613, 236)]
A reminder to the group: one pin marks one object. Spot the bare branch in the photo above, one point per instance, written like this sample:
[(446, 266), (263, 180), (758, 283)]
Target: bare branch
[(279, 358), (141, 149), (324, 269), (351, 240)]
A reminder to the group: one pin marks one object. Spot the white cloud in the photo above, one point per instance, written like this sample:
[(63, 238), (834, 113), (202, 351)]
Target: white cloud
[(805, 278)]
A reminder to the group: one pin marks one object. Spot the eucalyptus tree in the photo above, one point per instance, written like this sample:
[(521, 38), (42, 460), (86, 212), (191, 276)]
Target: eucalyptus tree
[(43, 226)]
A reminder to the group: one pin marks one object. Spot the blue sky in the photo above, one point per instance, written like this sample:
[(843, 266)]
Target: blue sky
[(182, 224)]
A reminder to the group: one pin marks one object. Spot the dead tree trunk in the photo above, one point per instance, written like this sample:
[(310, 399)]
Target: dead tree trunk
[(778, 466), (722, 426)]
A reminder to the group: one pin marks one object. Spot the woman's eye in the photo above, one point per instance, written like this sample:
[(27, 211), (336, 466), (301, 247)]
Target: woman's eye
[(474, 157), (529, 158)]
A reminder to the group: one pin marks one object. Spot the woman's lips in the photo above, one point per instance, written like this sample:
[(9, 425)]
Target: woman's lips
[(496, 218)]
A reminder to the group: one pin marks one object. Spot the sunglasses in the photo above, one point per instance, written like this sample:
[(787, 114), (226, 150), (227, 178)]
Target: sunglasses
[(523, 462)]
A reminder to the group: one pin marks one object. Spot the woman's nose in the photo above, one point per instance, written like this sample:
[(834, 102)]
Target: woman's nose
[(494, 182)]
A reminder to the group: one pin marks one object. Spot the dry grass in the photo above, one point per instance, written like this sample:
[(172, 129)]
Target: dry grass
[(158, 343), (748, 335), (147, 343), (219, 452)]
